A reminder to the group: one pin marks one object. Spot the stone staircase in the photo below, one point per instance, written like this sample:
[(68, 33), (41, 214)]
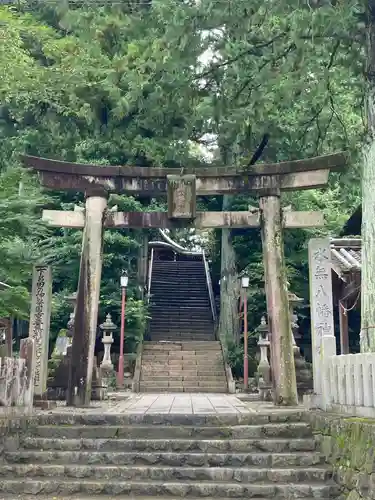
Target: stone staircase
[(180, 306), (183, 367), (167, 457)]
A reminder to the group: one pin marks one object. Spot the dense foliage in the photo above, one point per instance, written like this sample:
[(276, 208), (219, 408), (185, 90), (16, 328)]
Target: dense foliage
[(151, 84)]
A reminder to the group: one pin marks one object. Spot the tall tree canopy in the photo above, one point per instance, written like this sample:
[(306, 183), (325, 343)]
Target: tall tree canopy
[(150, 83)]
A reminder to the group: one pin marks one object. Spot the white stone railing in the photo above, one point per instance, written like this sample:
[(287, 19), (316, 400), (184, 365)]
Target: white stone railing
[(349, 384)]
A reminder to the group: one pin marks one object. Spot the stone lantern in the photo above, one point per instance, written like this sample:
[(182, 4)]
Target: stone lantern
[(303, 371), (264, 368), (72, 301), (108, 327)]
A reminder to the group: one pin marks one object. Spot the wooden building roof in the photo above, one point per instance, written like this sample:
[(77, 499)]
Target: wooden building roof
[(346, 255)]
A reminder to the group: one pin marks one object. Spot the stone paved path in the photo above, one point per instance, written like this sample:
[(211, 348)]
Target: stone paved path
[(140, 404), (186, 404)]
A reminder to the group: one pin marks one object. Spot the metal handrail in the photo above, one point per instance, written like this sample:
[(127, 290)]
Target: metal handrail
[(150, 276), (210, 289), (176, 246)]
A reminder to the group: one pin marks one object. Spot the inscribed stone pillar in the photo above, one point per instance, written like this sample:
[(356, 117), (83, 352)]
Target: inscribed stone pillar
[(86, 312), (321, 305), (40, 316)]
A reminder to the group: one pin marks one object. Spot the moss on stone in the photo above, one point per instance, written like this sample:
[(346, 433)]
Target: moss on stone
[(348, 444)]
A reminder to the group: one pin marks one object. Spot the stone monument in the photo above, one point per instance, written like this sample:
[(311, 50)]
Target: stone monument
[(321, 306), (39, 324)]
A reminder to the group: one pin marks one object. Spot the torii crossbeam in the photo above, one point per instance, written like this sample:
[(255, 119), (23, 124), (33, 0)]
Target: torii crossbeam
[(266, 180)]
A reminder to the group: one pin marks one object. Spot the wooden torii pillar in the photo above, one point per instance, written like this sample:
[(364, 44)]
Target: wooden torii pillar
[(268, 181)]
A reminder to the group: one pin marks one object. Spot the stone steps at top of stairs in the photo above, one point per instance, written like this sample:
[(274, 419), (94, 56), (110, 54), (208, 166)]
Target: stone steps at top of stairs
[(192, 359), (182, 346), (180, 370), (147, 375), (196, 315), (161, 334)]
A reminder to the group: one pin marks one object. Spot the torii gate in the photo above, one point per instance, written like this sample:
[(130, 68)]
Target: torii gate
[(267, 180)]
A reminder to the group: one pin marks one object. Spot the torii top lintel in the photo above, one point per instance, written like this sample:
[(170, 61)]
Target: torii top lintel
[(290, 175)]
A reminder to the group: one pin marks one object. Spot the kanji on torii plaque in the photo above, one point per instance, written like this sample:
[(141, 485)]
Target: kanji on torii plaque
[(266, 180)]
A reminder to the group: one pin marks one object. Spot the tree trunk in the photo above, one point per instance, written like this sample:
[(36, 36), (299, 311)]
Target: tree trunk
[(368, 197), (229, 326)]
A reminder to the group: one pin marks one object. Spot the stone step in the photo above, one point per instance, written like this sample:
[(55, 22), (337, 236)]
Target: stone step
[(125, 419), (186, 385), (85, 439), (184, 326), (209, 360), (169, 489), (156, 473), (158, 335), (182, 346), (163, 370), (193, 363), (179, 272), (182, 333), (180, 282), (186, 299), (211, 354), (189, 390), (168, 318), (168, 459), (125, 497), (147, 377)]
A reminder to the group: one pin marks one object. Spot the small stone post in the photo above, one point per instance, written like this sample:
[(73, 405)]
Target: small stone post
[(40, 315), (264, 368)]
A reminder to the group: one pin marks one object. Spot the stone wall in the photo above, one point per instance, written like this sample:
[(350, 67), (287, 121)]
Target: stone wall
[(348, 444)]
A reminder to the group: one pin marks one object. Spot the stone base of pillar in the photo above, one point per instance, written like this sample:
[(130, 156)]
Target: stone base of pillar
[(42, 402), (107, 373), (303, 373)]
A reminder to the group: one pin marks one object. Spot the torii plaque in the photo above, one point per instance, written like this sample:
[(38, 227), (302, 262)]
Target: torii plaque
[(267, 180)]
